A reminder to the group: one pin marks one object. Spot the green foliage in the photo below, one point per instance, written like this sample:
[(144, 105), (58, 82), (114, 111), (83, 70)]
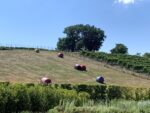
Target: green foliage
[(141, 94), (109, 92), (51, 97), (66, 86), (22, 96), (83, 96), (3, 98), (35, 98), (79, 37), (64, 44), (38, 98), (114, 106), (119, 49), (147, 55), (80, 45), (114, 92), (131, 62)]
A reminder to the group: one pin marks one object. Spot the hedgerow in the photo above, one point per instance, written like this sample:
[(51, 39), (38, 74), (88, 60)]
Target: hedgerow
[(130, 62), (39, 98)]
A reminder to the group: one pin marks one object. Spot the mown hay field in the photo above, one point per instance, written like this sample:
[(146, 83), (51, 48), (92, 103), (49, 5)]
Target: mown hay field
[(22, 66)]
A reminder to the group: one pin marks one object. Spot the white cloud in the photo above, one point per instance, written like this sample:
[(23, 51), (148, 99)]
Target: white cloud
[(126, 2)]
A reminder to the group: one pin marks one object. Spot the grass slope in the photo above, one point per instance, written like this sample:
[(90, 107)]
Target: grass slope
[(28, 66)]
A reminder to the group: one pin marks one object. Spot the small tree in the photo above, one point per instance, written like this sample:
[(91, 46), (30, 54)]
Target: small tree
[(138, 54), (146, 55), (119, 49)]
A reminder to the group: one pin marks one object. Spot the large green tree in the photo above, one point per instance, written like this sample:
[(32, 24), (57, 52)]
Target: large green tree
[(80, 37), (119, 49)]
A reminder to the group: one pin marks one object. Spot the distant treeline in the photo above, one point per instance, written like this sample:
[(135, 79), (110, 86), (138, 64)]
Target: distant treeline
[(24, 48)]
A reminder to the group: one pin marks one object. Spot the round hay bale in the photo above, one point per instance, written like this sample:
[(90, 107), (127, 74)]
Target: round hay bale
[(77, 66), (60, 55), (45, 81), (83, 67), (100, 79), (37, 50)]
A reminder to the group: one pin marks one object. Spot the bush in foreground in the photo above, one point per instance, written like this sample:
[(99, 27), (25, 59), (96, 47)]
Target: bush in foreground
[(39, 98)]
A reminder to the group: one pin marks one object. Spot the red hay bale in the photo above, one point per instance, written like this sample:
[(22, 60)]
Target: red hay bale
[(60, 55), (80, 67), (77, 66), (83, 67), (45, 81)]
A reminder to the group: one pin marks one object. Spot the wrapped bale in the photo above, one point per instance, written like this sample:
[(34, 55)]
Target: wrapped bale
[(60, 55), (37, 50), (77, 66), (45, 81), (80, 67), (83, 67), (100, 79)]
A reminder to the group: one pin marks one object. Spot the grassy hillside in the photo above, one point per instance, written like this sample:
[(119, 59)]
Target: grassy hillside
[(28, 66)]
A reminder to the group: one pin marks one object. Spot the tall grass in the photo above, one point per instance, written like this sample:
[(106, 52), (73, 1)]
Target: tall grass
[(115, 106)]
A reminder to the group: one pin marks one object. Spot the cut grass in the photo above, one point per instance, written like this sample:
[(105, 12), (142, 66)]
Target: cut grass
[(28, 66)]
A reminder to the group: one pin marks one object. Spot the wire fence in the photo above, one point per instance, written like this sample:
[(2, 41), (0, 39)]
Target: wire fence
[(19, 46)]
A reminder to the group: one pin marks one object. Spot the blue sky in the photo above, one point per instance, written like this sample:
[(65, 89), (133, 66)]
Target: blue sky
[(41, 22)]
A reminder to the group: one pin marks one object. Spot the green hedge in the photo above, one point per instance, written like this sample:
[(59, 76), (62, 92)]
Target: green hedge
[(38, 98), (109, 92)]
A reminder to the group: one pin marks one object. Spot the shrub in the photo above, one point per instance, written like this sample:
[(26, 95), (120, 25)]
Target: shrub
[(22, 96), (37, 99), (66, 86), (100, 92), (142, 94), (114, 92), (3, 98)]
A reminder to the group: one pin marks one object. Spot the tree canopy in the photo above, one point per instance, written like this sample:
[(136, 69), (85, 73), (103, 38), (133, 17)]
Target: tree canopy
[(146, 55), (80, 37), (119, 49)]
